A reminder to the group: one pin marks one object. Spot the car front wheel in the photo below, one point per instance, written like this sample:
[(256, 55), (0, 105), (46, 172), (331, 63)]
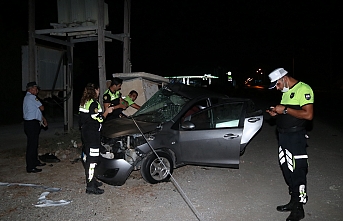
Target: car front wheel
[(157, 169)]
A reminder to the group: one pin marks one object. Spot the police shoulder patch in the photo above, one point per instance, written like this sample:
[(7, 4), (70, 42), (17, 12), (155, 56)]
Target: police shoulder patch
[(96, 110), (105, 97), (307, 96)]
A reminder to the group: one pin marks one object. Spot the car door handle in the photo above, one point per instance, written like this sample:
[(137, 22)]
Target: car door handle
[(253, 119), (230, 136)]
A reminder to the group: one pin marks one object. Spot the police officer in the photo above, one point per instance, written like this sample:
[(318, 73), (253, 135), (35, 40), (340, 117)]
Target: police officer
[(91, 119), (112, 97), (295, 109), (33, 119)]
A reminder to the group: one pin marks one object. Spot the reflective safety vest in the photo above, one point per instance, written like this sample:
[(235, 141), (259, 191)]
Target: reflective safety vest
[(111, 96), (91, 111), (299, 95)]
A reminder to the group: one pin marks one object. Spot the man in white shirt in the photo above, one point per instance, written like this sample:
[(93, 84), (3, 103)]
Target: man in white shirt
[(33, 119)]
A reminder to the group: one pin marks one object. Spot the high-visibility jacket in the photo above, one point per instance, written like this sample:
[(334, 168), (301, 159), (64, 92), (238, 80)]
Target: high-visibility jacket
[(91, 113)]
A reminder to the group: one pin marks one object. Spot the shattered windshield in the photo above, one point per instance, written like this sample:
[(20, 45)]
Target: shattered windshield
[(163, 106)]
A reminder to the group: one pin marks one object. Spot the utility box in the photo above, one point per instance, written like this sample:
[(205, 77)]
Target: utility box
[(80, 12), (145, 84)]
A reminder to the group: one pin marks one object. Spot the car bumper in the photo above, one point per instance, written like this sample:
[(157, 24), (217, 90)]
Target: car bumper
[(113, 171)]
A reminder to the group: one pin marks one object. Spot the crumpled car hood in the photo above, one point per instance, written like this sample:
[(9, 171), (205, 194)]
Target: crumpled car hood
[(125, 126)]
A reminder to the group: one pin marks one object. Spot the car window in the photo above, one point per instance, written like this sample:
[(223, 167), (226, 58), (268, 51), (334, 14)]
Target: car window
[(222, 116), (202, 120), (214, 101), (251, 110), (163, 106), (227, 115), (198, 106)]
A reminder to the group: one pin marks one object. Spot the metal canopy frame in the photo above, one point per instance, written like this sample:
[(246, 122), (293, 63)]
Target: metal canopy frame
[(79, 34)]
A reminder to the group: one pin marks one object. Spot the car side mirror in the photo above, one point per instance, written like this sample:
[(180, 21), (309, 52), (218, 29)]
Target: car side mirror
[(187, 125)]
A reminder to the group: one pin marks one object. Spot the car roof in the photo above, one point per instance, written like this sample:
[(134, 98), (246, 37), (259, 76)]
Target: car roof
[(192, 92)]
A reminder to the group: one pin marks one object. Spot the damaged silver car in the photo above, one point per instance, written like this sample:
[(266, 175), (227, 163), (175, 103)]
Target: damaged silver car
[(179, 125)]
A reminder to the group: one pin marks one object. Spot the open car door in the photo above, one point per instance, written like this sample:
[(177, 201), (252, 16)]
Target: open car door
[(212, 136)]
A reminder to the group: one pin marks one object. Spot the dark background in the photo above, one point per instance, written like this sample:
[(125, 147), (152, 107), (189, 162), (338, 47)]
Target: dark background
[(170, 38)]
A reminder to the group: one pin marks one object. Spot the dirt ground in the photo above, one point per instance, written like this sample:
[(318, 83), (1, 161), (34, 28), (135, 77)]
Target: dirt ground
[(249, 193)]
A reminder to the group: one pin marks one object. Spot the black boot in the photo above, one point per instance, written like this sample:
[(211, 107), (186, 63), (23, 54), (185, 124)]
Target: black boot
[(92, 188), (288, 207), (297, 213), (98, 183)]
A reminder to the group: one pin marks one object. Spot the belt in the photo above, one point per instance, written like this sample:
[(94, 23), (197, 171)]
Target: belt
[(290, 130), (32, 120)]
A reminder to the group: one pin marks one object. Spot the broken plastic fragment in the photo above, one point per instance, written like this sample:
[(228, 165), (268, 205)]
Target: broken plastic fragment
[(107, 155), (50, 189), (43, 202)]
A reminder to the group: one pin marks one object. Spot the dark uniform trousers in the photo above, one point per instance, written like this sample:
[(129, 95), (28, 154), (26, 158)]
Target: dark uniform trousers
[(91, 140), (32, 130), (293, 162)]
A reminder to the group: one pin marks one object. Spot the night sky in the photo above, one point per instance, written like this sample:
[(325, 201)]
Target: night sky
[(237, 36), (196, 37), (191, 37)]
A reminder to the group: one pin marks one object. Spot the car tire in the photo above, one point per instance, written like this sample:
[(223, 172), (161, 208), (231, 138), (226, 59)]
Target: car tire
[(153, 171)]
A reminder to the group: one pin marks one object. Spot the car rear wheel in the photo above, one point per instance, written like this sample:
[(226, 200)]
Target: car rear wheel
[(156, 170)]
